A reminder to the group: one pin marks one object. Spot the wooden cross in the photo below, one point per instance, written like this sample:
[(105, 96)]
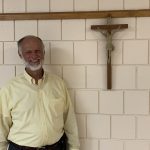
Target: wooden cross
[(108, 30)]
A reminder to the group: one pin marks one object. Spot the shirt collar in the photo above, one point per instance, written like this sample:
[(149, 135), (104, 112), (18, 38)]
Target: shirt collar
[(32, 80)]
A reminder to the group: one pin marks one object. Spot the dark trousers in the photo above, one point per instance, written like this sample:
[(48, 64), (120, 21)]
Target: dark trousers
[(60, 145)]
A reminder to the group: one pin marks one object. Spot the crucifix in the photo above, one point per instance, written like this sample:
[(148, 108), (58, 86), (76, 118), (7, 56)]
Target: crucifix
[(108, 31)]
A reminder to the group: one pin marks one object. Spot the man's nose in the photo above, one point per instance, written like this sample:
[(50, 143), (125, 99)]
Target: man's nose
[(34, 55)]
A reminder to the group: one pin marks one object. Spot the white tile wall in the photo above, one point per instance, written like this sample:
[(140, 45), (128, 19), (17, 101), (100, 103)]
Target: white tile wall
[(98, 126), (6, 73), (102, 52), (62, 52), (73, 29), (136, 4), (123, 127), (1, 6), (89, 144), (86, 101), (61, 6), (81, 121), (96, 77), (47, 53), (111, 145), (85, 52), (86, 5), (37, 5), (14, 6), (110, 4), (123, 77), (143, 80), (117, 53), (138, 145), (135, 52), (25, 27), (49, 29), (111, 102), (143, 127), (6, 30), (143, 24), (149, 54), (11, 53), (1, 53), (74, 76), (140, 98)]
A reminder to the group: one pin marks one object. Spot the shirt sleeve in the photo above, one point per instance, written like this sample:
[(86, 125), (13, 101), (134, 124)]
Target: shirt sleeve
[(70, 126), (5, 120)]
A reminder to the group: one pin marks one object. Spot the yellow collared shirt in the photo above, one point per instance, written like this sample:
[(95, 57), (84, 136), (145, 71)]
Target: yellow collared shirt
[(36, 115)]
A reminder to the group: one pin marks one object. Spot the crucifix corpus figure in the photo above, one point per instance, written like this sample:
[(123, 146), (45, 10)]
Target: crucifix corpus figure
[(108, 31)]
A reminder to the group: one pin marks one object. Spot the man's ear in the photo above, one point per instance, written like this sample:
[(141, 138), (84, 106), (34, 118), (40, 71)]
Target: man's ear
[(19, 53)]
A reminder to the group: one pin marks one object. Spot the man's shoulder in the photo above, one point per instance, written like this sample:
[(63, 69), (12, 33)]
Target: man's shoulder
[(9, 84), (12, 81), (17, 78)]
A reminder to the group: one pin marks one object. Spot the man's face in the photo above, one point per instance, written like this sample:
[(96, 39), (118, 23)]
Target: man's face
[(32, 53)]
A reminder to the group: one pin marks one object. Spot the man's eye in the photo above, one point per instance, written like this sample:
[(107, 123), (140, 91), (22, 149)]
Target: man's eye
[(28, 52), (38, 51)]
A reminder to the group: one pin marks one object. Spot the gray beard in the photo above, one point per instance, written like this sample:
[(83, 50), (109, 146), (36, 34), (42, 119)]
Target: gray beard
[(33, 67)]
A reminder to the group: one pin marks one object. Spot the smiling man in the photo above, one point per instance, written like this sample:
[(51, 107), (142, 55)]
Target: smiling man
[(31, 50), (35, 108)]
